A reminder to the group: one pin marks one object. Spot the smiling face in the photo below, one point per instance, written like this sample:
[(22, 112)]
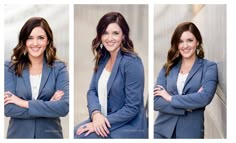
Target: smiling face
[(187, 45), (36, 43), (112, 38)]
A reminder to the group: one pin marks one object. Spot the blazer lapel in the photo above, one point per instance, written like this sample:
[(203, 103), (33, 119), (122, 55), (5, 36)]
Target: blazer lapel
[(45, 75), (174, 75), (25, 76), (114, 71), (197, 64)]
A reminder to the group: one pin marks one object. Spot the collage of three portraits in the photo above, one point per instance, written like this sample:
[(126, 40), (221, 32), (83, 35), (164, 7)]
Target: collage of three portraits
[(122, 84)]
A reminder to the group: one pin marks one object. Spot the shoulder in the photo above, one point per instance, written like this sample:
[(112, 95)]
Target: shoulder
[(58, 64), (8, 65), (131, 59), (206, 63)]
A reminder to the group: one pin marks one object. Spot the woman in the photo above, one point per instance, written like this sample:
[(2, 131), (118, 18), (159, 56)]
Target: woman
[(115, 96), (36, 84), (185, 86)]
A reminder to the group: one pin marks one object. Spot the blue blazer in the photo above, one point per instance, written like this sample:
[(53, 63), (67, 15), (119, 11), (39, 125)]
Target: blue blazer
[(174, 115), (125, 110), (41, 119)]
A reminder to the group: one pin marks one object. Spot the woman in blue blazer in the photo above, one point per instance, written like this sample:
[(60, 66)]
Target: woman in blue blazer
[(185, 86), (115, 96), (36, 84)]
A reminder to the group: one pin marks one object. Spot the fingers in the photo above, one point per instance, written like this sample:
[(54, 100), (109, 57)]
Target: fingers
[(107, 123), (57, 95), (8, 97), (82, 129), (88, 133), (7, 94), (200, 90), (102, 131), (158, 90)]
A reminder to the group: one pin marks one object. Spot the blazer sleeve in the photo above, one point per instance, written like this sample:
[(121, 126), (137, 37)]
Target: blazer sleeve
[(160, 104), (200, 99), (12, 110), (134, 85), (53, 109), (92, 97)]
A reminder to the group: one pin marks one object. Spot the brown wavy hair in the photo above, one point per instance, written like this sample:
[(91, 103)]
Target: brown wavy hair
[(174, 56), (126, 45), (20, 57)]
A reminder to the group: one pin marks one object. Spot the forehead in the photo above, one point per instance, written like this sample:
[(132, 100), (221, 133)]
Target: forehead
[(113, 27), (38, 31), (187, 34)]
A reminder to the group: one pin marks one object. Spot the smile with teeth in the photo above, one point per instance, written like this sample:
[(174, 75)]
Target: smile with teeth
[(186, 50), (35, 49), (110, 43)]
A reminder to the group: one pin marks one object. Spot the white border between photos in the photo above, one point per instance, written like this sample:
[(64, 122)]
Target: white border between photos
[(231, 10)]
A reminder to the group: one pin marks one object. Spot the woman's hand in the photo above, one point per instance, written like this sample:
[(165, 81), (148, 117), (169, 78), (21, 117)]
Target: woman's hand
[(57, 95), (160, 91), (13, 99), (100, 124), (85, 128), (200, 89)]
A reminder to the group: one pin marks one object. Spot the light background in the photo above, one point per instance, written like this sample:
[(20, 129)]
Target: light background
[(15, 17), (211, 21), (231, 10), (86, 19)]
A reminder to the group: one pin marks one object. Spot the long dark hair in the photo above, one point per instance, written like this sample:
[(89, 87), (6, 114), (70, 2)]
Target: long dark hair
[(126, 45), (173, 54), (20, 57)]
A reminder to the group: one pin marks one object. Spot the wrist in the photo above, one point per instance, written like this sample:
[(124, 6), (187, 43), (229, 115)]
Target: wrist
[(25, 104), (94, 113)]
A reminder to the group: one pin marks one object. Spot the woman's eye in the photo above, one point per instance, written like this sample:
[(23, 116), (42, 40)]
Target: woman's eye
[(41, 37), (116, 33)]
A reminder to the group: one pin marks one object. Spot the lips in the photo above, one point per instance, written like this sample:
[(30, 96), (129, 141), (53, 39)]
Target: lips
[(186, 50), (110, 44), (35, 49)]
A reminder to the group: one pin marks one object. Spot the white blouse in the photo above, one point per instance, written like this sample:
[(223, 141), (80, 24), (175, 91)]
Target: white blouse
[(35, 81), (102, 90), (181, 82)]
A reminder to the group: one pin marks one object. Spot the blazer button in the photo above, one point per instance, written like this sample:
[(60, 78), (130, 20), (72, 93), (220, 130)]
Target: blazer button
[(109, 110)]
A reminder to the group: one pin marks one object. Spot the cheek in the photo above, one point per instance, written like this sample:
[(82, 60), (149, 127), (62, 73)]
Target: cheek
[(27, 43)]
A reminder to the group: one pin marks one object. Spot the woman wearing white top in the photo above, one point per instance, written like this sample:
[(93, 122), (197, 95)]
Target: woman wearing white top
[(36, 84), (185, 85), (115, 96)]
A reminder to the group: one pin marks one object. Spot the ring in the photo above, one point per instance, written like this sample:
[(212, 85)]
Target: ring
[(9, 94), (97, 129), (159, 89), (84, 126)]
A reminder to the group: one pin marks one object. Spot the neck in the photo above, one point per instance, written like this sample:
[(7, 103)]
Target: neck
[(188, 61), (113, 56), (36, 66)]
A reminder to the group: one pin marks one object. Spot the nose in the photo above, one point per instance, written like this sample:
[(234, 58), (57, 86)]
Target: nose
[(185, 44), (110, 37), (35, 42)]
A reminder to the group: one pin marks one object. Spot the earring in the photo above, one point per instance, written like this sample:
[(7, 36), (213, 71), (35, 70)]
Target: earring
[(198, 50), (101, 45), (24, 53)]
